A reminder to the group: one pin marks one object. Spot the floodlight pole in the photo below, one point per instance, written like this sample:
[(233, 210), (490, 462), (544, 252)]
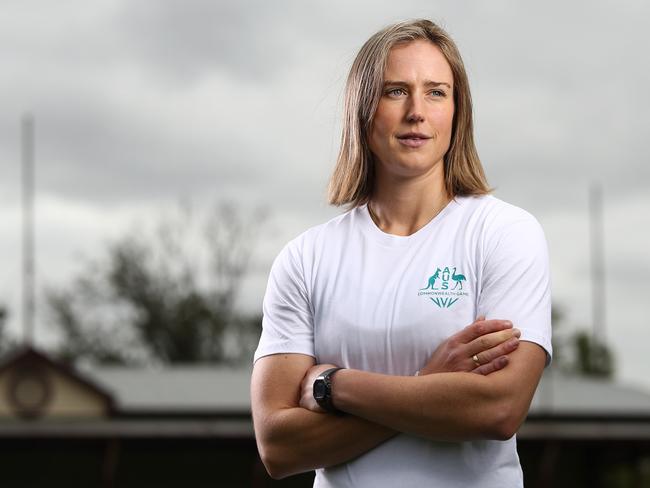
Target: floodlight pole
[(597, 231), (27, 139)]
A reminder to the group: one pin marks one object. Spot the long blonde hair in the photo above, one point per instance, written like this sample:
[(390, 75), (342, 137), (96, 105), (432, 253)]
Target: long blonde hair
[(353, 178)]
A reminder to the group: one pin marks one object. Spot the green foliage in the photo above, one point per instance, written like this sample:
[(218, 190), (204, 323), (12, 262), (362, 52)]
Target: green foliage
[(592, 358), (559, 340), (577, 352), (7, 341), (163, 297), (3, 334)]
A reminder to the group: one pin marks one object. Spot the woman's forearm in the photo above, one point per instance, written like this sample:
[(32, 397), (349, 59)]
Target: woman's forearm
[(294, 440), (445, 406)]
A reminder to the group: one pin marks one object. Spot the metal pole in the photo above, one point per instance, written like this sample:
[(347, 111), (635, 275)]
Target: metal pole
[(27, 137), (598, 297)]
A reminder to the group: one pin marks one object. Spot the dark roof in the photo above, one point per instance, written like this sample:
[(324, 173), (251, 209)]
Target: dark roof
[(179, 389)]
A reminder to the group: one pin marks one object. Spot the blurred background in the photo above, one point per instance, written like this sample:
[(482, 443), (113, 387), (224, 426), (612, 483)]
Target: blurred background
[(156, 156)]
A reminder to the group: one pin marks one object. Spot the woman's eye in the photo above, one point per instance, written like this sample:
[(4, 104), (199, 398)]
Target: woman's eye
[(395, 92), (438, 93)]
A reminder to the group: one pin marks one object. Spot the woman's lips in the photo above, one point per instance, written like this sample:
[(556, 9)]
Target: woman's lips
[(413, 141)]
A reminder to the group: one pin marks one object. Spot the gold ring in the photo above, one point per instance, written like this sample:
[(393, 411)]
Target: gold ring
[(476, 361)]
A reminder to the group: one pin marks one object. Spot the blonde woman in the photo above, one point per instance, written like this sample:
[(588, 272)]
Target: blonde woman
[(366, 367)]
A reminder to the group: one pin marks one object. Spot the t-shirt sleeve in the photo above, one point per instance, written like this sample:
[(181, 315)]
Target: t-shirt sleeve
[(287, 323), (516, 279)]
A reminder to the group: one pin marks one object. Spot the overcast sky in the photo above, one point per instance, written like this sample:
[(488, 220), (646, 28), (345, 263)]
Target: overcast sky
[(141, 104)]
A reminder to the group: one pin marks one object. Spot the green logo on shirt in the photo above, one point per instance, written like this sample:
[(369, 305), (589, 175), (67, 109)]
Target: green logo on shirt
[(444, 287)]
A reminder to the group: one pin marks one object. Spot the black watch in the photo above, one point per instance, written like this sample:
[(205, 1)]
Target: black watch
[(323, 390)]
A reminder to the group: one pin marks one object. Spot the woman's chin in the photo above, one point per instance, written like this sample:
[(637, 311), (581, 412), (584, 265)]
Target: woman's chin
[(412, 168)]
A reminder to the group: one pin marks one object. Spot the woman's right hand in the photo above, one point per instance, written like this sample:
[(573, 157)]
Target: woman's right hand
[(490, 340)]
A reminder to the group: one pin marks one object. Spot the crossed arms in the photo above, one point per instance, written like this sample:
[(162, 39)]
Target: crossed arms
[(449, 401)]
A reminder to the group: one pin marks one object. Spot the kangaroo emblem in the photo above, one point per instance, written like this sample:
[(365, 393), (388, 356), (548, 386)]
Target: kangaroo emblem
[(432, 280)]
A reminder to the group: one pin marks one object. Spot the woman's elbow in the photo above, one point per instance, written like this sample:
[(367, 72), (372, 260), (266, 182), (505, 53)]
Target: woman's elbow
[(276, 446), (506, 430), (273, 461), (277, 452), (274, 469), (506, 421)]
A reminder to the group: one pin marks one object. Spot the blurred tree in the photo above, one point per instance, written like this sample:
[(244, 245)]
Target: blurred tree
[(7, 342), (558, 339), (166, 296), (592, 358), (3, 334), (577, 352)]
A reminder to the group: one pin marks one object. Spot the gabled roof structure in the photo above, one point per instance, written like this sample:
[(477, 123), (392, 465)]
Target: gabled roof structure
[(33, 385)]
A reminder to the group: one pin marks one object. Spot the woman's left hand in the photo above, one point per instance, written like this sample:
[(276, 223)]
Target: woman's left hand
[(307, 387)]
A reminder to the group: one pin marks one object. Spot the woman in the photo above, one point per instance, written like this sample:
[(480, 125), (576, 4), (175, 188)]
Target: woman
[(365, 366)]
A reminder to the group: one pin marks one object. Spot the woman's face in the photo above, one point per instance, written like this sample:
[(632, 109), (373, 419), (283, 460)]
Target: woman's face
[(411, 130)]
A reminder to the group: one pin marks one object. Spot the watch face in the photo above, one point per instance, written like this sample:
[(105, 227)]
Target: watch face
[(320, 389)]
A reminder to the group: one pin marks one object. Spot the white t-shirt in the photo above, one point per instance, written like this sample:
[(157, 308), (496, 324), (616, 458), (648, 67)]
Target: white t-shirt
[(349, 294)]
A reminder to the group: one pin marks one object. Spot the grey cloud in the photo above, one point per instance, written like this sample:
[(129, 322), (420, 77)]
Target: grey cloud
[(184, 40), (187, 39)]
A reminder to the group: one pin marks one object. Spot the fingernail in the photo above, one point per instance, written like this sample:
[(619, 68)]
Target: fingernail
[(503, 361), (508, 323), (513, 341), (516, 332)]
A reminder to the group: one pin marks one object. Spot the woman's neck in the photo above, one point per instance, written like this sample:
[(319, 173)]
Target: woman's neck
[(402, 206)]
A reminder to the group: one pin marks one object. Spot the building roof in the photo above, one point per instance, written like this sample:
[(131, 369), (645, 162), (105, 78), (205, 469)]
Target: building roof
[(179, 389), (559, 394), (27, 368)]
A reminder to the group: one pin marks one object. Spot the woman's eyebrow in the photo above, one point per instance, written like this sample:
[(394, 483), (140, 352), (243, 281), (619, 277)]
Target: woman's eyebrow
[(426, 83)]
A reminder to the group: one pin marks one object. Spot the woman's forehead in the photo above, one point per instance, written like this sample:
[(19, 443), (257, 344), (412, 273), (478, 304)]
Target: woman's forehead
[(417, 61)]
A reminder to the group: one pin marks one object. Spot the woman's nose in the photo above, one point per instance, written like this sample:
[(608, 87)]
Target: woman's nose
[(415, 117), (414, 112)]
